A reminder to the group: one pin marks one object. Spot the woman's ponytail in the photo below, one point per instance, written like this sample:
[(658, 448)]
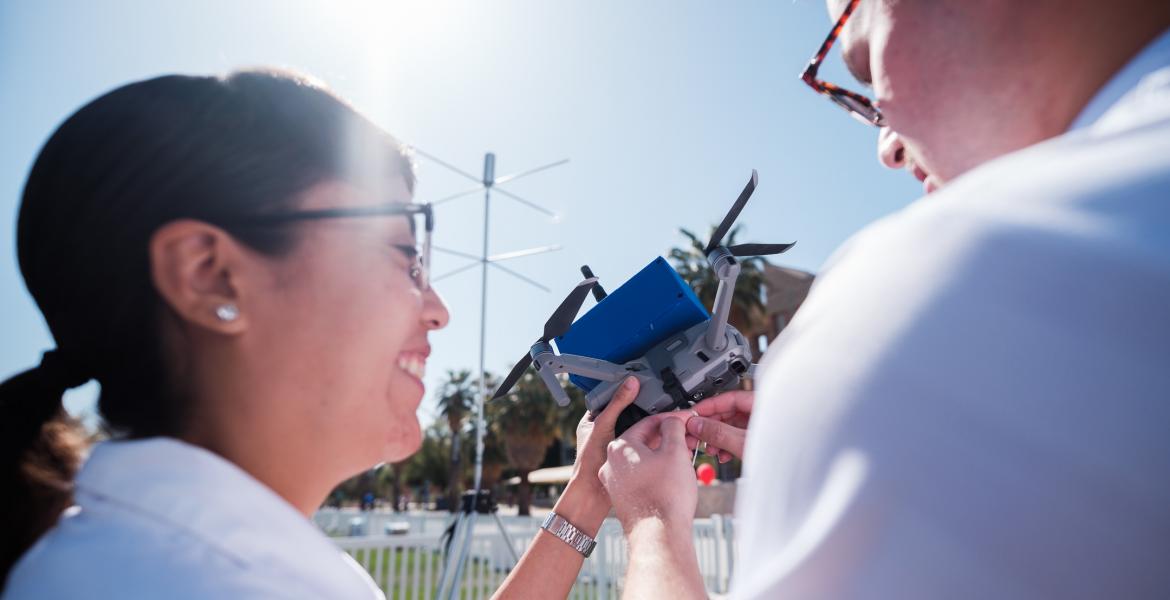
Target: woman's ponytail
[(40, 451)]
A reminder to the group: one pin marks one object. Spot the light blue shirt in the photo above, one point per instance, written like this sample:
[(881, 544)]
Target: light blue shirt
[(974, 400), (159, 518)]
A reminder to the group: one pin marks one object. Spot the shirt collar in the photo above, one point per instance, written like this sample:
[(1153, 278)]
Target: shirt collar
[(1153, 57), (188, 488)]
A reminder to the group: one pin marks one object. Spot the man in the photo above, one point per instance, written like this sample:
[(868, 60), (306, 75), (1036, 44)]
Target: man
[(974, 400)]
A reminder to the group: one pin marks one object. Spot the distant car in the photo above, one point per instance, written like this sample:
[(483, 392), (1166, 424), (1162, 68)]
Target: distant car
[(396, 528)]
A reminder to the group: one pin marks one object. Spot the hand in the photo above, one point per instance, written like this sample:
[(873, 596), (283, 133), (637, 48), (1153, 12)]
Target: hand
[(648, 473), (721, 421), (594, 434)]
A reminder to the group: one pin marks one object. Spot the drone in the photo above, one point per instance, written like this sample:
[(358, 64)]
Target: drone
[(654, 328)]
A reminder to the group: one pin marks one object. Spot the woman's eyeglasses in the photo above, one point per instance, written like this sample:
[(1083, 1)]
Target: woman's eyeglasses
[(420, 258), (863, 109)]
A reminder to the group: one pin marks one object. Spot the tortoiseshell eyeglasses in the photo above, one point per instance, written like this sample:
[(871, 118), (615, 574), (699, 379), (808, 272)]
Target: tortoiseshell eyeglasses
[(863, 109)]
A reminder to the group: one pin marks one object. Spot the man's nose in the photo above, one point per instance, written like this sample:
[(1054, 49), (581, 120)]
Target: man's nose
[(891, 150)]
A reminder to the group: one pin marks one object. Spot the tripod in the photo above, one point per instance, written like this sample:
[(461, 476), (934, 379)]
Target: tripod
[(459, 535)]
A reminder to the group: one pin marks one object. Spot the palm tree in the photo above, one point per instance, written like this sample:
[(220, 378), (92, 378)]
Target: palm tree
[(747, 305), (528, 421), (456, 400)]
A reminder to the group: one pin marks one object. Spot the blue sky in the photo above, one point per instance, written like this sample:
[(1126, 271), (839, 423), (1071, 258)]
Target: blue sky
[(663, 108)]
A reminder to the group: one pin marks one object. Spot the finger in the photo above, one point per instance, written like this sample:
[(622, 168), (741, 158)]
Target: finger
[(724, 456), (604, 424), (674, 434), (655, 440), (727, 402), (646, 432), (717, 434)]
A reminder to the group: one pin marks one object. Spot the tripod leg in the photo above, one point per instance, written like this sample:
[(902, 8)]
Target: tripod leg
[(507, 539), (453, 569), (452, 561)]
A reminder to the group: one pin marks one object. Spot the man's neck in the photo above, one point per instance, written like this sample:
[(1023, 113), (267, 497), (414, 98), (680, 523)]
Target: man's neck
[(1094, 44)]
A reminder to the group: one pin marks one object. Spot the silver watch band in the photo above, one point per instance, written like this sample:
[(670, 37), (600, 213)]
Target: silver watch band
[(558, 526)]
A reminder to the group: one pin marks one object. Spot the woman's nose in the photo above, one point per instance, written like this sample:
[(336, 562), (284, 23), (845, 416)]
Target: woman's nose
[(435, 313), (891, 150)]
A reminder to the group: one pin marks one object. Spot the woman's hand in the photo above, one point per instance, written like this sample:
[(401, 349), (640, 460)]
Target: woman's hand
[(549, 566), (721, 421), (593, 435)]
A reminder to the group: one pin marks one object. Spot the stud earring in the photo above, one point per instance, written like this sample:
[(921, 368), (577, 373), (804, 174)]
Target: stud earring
[(227, 312)]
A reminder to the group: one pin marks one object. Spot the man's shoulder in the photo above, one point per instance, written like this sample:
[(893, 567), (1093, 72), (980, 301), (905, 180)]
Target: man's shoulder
[(1055, 258), (1084, 194), (1072, 182)]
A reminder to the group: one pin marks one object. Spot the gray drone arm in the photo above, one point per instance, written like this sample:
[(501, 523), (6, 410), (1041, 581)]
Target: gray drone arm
[(549, 364), (726, 268)]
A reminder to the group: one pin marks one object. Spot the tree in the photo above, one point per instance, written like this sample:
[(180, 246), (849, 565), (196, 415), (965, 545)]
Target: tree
[(456, 400), (430, 466), (528, 420), (747, 305)]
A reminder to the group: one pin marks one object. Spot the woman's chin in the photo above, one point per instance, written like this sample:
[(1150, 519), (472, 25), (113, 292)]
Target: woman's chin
[(403, 444)]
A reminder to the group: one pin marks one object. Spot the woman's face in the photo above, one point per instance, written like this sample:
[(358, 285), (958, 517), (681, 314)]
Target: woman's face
[(344, 328)]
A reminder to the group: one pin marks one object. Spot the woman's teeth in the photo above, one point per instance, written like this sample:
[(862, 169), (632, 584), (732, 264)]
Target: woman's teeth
[(413, 364)]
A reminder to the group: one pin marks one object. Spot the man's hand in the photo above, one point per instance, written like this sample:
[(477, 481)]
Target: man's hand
[(721, 422), (653, 488), (648, 473)]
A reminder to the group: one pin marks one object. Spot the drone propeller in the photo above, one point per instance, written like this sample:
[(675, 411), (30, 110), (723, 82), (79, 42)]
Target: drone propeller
[(759, 249), (729, 220), (733, 214), (557, 325)]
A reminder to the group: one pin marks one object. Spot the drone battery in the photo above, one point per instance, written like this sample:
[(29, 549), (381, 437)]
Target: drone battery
[(653, 305)]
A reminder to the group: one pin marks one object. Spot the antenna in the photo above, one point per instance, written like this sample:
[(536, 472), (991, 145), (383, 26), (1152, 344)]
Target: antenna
[(487, 184)]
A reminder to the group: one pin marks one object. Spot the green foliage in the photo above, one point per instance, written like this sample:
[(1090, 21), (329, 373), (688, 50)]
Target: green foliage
[(528, 420), (747, 302), (430, 465)]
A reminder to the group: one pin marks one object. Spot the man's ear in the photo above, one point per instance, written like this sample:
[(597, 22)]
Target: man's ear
[(196, 268)]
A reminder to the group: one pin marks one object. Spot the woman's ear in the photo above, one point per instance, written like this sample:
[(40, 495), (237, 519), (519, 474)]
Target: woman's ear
[(196, 268)]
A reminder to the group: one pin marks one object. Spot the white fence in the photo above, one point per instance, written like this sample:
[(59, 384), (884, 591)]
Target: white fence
[(409, 566)]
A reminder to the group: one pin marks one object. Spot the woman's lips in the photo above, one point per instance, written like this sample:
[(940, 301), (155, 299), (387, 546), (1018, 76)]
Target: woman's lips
[(414, 363)]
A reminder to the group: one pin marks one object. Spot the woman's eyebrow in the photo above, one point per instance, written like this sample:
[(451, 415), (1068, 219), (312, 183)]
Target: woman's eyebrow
[(408, 249)]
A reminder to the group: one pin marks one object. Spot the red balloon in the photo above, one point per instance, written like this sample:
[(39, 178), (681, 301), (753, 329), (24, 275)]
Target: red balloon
[(706, 473)]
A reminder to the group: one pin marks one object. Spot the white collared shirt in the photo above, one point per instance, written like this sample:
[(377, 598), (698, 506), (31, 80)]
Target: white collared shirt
[(159, 518), (974, 400)]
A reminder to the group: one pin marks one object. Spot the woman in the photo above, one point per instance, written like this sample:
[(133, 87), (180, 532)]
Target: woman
[(237, 262)]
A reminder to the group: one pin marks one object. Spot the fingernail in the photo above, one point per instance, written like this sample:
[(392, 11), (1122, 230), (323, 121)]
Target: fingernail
[(630, 381), (695, 426)]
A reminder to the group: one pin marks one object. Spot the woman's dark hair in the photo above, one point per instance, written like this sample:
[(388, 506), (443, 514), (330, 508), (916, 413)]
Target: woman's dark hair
[(215, 149)]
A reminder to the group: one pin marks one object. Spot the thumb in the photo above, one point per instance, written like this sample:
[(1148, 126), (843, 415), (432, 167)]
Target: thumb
[(718, 434), (624, 396), (674, 435)]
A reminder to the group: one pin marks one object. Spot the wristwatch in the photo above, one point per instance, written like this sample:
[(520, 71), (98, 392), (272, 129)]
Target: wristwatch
[(558, 526)]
